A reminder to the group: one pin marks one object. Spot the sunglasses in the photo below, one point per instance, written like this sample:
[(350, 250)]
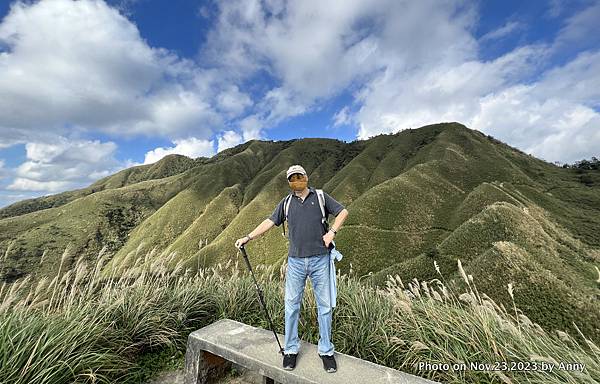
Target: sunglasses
[(296, 177)]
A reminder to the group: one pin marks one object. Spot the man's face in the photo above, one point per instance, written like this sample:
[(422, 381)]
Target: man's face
[(298, 182)]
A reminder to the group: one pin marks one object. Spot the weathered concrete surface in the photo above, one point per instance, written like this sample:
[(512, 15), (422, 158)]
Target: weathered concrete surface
[(256, 349), (177, 377)]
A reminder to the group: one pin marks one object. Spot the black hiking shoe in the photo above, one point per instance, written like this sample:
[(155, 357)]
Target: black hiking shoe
[(289, 361), (329, 363)]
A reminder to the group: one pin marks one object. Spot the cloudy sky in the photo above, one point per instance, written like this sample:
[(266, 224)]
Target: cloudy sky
[(90, 87)]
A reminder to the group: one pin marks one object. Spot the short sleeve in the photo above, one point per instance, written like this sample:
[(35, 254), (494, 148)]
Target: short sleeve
[(277, 215), (332, 205)]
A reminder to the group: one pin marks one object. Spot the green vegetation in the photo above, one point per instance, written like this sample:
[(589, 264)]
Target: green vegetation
[(152, 363), (441, 192), (82, 327), (167, 166), (588, 165), (587, 171)]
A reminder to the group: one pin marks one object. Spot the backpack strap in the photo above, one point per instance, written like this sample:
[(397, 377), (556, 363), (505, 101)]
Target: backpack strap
[(321, 198), (286, 208)]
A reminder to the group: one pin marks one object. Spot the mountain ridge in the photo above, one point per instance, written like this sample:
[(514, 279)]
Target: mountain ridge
[(440, 192)]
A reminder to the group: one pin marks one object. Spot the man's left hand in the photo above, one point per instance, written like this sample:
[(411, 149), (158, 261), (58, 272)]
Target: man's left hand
[(328, 238)]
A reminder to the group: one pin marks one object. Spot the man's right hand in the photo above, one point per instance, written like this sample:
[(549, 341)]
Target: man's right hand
[(242, 241)]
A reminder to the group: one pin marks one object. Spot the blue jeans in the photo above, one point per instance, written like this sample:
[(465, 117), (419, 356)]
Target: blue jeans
[(298, 269)]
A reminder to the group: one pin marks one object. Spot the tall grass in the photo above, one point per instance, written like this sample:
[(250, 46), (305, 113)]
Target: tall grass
[(88, 326)]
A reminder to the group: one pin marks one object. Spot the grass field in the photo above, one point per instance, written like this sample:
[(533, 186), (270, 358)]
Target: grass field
[(82, 327)]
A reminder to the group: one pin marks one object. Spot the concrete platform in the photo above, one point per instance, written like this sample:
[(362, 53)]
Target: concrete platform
[(212, 349)]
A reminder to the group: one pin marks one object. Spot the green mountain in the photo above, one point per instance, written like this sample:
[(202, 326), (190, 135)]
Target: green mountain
[(441, 192)]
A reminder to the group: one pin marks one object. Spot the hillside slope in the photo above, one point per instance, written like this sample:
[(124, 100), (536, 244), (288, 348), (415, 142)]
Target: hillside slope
[(441, 192)]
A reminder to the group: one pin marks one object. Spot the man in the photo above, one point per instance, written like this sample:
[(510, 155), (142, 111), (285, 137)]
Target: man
[(308, 256)]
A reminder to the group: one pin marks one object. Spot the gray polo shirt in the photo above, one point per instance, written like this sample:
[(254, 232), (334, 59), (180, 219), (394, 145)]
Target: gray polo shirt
[(305, 231)]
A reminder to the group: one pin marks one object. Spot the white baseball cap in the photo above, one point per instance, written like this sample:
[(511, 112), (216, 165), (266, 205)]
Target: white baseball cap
[(295, 169)]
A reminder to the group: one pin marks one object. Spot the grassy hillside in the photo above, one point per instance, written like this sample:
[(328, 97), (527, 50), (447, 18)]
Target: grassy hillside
[(440, 192), (167, 166)]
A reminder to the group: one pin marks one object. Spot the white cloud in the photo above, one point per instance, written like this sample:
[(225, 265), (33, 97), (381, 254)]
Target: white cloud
[(580, 30), (555, 8), (3, 171), (190, 147), (98, 73), (505, 30), (281, 103), (233, 102), (399, 99), (408, 64), (70, 151), (7, 198), (24, 184), (554, 118), (578, 81), (251, 128), (342, 117), (550, 128), (125, 6), (64, 164), (203, 12), (228, 139), (317, 52), (296, 42)]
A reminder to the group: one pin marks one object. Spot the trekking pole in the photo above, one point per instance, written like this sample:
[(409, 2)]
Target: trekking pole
[(260, 297)]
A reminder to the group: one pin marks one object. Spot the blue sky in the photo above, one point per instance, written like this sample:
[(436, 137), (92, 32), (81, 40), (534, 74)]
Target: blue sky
[(90, 87)]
